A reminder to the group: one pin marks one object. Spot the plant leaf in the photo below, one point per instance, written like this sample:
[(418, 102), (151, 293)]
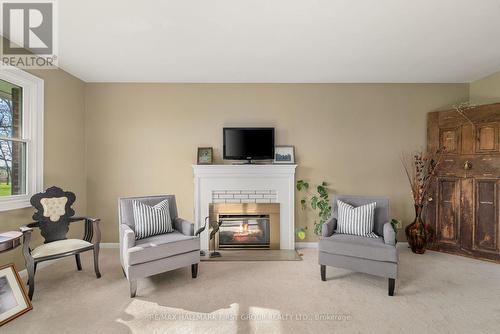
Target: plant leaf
[(314, 202), (301, 184)]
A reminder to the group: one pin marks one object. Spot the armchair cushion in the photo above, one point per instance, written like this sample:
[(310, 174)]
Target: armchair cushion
[(127, 237), (360, 247), (151, 220), (382, 209), (126, 212), (184, 226), (59, 247), (355, 220), (161, 246), (329, 227), (389, 234)]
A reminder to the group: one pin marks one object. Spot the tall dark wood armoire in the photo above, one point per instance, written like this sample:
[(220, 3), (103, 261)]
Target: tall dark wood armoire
[(464, 199)]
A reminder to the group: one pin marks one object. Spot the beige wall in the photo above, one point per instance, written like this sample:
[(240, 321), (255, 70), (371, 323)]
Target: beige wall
[(64, 162), (486, 90), (141, 138)]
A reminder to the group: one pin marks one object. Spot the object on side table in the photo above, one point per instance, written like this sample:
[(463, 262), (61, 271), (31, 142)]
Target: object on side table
[(13, 298), (375, 256), (284, 155), (159, 253), (205, 156), (52, 216)]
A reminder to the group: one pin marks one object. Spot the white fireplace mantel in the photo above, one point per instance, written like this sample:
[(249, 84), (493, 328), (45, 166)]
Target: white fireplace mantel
[(279, 180)]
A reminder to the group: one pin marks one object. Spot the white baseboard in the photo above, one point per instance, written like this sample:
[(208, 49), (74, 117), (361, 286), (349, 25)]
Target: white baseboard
[(315, 244), (306, 245), (109, 245)]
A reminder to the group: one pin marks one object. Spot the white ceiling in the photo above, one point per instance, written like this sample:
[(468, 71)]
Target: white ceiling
[(279, 40)]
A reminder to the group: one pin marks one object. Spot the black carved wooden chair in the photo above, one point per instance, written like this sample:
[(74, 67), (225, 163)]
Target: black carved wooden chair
[(52, 216)]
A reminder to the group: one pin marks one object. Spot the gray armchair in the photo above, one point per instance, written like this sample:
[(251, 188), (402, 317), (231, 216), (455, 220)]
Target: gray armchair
[(375, 256), (159, 253)]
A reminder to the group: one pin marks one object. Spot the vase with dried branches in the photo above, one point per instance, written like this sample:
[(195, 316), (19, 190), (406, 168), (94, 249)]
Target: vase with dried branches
[(420, 168)]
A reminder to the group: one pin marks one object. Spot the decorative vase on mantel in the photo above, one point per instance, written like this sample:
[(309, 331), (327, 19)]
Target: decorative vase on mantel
[(418, 232)]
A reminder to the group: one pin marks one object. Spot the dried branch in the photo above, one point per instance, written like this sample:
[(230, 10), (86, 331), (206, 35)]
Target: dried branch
[(462, 108), (420, 167)]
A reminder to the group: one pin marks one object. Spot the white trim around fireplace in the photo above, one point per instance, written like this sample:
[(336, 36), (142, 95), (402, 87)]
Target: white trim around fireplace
[(278, 179)]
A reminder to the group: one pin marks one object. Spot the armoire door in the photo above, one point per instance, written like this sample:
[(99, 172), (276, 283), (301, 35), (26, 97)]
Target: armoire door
[(464, 198)]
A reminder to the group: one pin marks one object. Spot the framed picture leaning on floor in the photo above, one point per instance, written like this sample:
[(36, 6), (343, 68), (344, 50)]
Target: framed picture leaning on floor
[(14, 300)]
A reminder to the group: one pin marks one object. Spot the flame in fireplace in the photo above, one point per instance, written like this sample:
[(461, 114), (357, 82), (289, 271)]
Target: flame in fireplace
[(244, 231), (243, 228)]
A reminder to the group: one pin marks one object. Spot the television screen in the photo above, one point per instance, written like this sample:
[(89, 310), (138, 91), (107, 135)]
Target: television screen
[(248, 143)]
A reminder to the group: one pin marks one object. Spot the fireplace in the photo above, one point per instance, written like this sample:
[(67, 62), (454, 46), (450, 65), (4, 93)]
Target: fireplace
[(246, 225), (243, 231)]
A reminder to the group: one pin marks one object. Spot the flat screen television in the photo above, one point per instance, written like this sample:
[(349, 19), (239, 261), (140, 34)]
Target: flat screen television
[(248, 143)]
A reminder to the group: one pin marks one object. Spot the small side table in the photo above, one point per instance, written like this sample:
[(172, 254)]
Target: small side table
[(10, 240)]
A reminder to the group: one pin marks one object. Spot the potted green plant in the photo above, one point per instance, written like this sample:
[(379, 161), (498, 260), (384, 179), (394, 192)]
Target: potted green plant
[(319, 202)]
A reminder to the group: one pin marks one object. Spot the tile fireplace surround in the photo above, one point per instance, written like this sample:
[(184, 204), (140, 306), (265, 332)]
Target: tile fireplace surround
[(246, 184)]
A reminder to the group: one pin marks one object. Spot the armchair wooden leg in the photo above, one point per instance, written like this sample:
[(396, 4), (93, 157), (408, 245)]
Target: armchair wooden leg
[(34, 273), (392, 284), (194, 270), (133, 288), (78, 262), (30, 267), (323, 272), (30, 262), (96, 262)]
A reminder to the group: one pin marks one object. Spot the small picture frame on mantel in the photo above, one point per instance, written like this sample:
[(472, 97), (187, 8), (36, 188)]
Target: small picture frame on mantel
[(205, 156), (284, 155)]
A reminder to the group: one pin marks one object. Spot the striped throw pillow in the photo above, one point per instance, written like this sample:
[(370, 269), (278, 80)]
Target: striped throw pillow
[(356, 221), (151, 220)]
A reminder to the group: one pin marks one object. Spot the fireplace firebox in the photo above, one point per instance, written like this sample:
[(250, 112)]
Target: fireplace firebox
[(246, 226), (244, 231)]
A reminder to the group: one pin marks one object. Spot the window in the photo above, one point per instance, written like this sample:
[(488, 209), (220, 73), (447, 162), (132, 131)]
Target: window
[(21, 137)]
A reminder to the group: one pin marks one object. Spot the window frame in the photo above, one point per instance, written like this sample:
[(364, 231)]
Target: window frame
[(32, 134)]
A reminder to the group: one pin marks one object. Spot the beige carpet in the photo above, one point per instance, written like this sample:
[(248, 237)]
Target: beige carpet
[(436, 293)]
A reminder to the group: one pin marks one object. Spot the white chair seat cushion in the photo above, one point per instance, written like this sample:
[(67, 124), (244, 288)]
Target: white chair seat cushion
[(59, 247)]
